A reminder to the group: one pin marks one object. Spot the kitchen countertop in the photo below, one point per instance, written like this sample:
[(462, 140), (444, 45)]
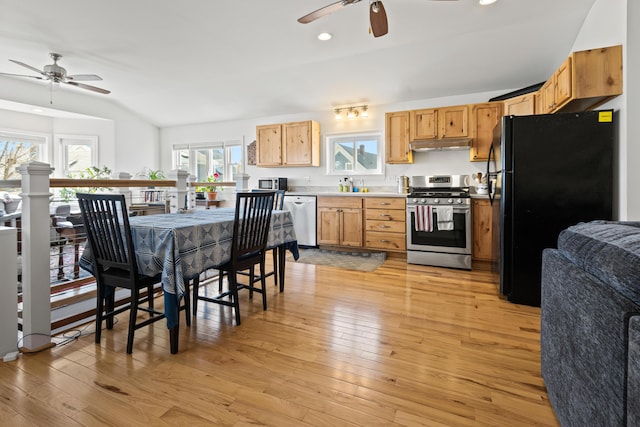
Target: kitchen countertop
[(343, 194), (479, 196)]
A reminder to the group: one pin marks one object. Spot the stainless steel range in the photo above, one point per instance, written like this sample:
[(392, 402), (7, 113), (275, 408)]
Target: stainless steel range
[(439, 221)]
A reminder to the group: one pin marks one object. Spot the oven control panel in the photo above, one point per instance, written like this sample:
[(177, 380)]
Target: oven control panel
[(438, 201)]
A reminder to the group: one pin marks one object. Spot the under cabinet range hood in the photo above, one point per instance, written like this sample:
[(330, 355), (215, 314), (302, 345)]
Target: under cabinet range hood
[(440, 144)]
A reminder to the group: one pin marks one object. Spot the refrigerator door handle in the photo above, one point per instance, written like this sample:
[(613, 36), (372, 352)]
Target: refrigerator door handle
[(491, 175)]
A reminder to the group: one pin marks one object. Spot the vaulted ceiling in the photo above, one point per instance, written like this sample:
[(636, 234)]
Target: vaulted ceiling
[(183, 62)]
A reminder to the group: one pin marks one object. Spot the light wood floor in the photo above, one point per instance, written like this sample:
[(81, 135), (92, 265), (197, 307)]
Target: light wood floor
[(405, 345)]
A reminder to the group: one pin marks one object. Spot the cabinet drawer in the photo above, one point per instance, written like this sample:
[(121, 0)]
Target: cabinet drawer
[(384, 202), (385, 215), (340, 202), (385, 240), (388, 226)]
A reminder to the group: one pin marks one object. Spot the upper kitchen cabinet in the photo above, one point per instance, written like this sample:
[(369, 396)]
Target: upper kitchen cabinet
[(585, 80), (453, 122), (484, 117), (523, 105), (557, 90), (438, 123), (397, 148), (288, 144), (269, 145), (423, 124)]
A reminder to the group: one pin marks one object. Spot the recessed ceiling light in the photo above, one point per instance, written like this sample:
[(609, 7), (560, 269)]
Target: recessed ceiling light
[(37, 110), (324, 36), (486, 2)]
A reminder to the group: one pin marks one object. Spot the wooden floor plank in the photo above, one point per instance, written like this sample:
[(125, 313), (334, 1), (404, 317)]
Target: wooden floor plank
[(405, 345)]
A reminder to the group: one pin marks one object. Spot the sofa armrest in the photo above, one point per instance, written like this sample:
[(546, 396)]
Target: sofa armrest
[(583, 343), (633, 372), (9, 219)]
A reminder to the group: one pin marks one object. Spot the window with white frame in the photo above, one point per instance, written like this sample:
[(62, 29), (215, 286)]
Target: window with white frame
[(355, 153), (77, 152), (204, 159), (17, 147)]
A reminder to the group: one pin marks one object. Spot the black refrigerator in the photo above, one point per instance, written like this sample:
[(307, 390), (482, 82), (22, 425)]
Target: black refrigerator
[(550, 171)]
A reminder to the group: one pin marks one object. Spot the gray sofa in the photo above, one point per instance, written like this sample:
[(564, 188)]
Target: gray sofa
[(9, 209), (590, 324)]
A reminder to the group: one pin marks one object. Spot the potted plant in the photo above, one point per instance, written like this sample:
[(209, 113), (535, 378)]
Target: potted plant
[(211, 190)]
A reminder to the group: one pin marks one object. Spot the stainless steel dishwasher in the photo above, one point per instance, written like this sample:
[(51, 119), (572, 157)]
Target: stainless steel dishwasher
[(303, 211)]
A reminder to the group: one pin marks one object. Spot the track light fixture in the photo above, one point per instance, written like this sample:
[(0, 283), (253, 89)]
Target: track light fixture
[(352, 112)]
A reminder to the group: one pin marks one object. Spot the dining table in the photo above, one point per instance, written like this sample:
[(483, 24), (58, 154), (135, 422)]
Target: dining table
[(181, 246)]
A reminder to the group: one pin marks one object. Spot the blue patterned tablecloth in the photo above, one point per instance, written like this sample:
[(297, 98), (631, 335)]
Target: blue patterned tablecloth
[(181, 246)]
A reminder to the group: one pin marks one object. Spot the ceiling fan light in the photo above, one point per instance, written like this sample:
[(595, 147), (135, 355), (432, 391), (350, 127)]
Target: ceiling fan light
[(486, 2), (324, 36)]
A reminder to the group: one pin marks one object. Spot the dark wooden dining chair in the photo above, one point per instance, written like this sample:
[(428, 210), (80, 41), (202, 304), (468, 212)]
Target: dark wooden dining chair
[(248, 247), (278, 204), (114, 263)]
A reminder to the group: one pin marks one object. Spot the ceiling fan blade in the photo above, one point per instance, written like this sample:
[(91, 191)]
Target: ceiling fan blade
[(84, 77), (22, 75), (84, 86), (378, 19), (28, 66), (323, 11)]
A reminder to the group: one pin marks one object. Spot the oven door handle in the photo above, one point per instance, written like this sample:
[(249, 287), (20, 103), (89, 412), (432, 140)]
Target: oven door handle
[(456, 209)]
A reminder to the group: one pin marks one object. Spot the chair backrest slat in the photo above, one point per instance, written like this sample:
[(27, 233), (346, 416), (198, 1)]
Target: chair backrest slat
[(252, 220), (108, 231), (278, 197)]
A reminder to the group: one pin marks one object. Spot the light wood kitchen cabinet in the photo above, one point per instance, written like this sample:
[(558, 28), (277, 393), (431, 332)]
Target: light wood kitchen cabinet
[(484, 117), (269, 145), (523, 105), (288, 144), (423, 124), (439, 123), (385, 223), (482, 230), (557, 90), (453, 122), (340, 221), (397, 148), (585, 80)]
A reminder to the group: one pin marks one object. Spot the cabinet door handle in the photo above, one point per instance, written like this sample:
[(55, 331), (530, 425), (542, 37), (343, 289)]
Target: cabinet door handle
[(385, 203), (384, 215), (385, 241), (383, 226)]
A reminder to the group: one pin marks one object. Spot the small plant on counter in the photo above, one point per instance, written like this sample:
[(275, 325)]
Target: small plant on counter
[(152, 174), (212, 178)]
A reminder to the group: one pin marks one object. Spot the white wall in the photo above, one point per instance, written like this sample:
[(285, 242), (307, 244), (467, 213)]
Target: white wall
[(25, 122), (135, 140), (51, 126), (103, 129), (609, 23), (632, 89), (432, 162)]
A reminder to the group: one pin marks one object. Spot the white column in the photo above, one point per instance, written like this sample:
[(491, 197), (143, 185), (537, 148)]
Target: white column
[(128, 195), (36, 287), (179, 196), (8, 290)]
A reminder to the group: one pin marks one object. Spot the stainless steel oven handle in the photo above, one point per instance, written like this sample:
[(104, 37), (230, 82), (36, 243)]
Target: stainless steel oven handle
[(461, 209)]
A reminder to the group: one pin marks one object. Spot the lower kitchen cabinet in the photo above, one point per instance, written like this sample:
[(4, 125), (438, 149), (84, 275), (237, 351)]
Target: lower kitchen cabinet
[(385, 223), (482, 230), (340, 221)]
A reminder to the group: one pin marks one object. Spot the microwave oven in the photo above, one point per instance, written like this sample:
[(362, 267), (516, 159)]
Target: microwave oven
[(272, 183)]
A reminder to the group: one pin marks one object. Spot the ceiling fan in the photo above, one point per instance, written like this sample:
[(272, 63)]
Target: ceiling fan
[(56, 74), (377, 14)]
